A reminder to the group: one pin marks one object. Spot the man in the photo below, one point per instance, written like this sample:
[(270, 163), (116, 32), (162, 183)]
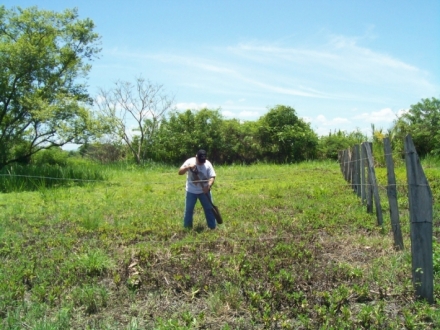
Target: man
[(200, 178)]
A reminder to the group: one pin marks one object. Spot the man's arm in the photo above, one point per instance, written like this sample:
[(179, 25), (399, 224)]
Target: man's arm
[(185, 169)]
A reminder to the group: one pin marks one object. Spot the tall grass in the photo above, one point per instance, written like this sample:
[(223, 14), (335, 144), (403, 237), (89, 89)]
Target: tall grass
[(30, 178)]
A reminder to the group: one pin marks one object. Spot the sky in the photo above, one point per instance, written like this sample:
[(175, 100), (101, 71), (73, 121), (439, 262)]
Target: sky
[(341, 64)]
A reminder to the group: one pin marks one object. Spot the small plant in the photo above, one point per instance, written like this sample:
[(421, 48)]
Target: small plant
[(94, 262), (436, 256), (91, 297)]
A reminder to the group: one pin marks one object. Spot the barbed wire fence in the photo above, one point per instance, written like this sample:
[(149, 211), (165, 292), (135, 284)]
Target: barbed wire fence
[(357, 167)]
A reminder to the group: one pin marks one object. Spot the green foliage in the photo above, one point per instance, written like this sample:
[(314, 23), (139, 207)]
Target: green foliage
[(436, 256), (41, 177), (422, 122), (52, 156), (330, 145), (184, 133), (91, 297), (240, 142), (94, 262), (42, 55), (286, 138), (278, 137)]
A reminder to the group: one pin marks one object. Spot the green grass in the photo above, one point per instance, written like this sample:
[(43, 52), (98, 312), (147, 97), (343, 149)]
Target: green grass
[(297, 250)]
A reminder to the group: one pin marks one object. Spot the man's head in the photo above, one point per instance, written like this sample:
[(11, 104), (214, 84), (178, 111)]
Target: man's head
[(201, 156)]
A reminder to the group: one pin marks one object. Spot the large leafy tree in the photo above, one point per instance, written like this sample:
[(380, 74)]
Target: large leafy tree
[(44, 60), (285, 137), (422, 121), (183, 133)]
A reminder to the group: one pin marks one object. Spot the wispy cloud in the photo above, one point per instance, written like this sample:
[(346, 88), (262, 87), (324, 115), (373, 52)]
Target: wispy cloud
[(331, 75), (303, 71)]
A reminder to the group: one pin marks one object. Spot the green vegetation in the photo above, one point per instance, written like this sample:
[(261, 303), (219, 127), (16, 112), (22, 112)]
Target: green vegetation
[(90, 246), (421, 121), (50, 169), (297, 251), (43, 54)]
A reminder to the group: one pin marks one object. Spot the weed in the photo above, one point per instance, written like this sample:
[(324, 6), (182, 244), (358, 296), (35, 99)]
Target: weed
[(93, 263), (91, 298)]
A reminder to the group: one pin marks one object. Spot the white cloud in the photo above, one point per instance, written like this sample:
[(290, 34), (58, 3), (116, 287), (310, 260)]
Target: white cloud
[(382, 116), (191, 106), (322, 120), (246, 114), (322, 126)]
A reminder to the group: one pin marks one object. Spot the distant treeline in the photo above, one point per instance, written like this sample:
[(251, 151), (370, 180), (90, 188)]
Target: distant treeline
[(279, 136)]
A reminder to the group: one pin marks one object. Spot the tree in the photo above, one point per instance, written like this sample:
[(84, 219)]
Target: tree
[(104, 152), (43, 54), (183, 133), (330, 145), (240, 142), (137, 108), (422, 121), (286, 138)]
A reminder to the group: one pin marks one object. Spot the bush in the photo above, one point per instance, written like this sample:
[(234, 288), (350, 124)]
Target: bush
[(52, 156)]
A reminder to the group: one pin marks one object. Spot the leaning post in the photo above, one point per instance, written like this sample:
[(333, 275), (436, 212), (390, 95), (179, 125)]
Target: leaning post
[(373, 182), (420, 212), (392, 196)]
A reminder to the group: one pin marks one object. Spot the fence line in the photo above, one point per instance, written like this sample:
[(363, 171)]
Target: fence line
[(420, 205), (222, 181), (366, 158), (48, 177)]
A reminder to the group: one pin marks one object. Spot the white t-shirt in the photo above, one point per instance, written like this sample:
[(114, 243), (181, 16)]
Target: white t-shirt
[(196, 182)]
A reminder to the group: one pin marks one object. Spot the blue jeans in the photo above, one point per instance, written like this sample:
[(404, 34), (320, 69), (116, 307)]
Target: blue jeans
[(190, 202)]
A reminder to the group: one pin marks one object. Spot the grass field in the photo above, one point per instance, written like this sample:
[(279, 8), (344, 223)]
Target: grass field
[(297, 250)]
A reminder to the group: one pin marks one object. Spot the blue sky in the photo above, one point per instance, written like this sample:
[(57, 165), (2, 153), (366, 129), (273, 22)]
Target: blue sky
[(341, 64)]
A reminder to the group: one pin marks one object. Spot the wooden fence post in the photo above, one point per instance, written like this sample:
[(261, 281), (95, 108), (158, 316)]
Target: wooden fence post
[(373, 183), (352, 157), (392, 195), (357, 168), (341, 160), (368, 185), (420, 211), (363, 181), (344, 164), (347, 160)]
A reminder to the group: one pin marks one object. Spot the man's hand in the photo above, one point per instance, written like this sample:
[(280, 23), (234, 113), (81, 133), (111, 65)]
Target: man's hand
[(206, 189), (193, 169)]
